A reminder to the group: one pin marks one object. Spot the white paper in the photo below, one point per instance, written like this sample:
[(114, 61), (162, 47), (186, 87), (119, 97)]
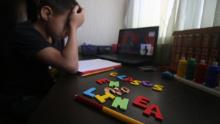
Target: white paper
[(95, 64)]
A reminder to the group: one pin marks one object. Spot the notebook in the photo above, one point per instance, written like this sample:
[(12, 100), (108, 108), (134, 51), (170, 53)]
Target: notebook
[(94, 66), (135, 46)]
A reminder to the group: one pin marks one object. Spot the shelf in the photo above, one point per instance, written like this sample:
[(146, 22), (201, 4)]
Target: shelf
[(213, 91)]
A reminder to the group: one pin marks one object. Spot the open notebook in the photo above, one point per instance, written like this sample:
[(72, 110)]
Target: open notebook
[(94, 66)]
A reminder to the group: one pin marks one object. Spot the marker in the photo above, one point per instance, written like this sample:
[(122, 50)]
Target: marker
[(106, 110)]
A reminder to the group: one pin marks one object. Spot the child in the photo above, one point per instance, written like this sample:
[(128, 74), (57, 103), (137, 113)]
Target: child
[(38, 44)]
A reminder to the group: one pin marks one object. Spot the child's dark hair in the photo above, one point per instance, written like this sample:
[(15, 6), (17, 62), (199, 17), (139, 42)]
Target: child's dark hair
[(59, 6)]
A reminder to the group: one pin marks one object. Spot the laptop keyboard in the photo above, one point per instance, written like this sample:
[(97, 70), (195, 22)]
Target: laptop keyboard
[(124, 58)]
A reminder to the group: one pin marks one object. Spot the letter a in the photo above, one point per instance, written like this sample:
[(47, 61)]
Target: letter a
[(153, 110)]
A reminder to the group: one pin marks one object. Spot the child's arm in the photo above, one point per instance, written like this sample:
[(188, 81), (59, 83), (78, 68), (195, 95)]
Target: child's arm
[(68, 59)]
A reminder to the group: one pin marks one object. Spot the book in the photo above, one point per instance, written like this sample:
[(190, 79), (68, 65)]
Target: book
[(94, 66)]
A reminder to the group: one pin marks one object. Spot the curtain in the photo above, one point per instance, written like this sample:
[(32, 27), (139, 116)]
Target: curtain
[(170, 15), (196, 14), (137, 8)]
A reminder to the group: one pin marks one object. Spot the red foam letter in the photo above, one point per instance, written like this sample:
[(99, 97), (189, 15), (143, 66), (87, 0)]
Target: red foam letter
[(141, 102), (102, 81), (153, 110), (128, 79)]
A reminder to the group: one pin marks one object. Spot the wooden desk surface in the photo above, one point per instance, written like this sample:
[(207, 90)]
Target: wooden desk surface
[(179, 103)]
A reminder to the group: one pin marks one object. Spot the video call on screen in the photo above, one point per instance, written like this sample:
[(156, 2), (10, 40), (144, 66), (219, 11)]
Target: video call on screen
[(137, 42)]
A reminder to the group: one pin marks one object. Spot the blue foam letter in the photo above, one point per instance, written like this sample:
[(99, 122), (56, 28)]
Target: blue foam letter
[(89, 92)]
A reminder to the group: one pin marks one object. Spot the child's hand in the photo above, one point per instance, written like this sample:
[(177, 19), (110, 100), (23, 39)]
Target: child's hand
[(77, 17)]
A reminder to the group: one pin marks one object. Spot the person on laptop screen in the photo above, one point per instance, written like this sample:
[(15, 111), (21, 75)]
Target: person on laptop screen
[(136, 46), (137, 41), (38, 44)]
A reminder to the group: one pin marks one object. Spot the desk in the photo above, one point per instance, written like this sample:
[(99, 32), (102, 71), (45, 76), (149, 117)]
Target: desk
[(179, 103)]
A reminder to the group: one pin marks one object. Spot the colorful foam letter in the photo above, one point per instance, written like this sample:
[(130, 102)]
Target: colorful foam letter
[(113, 74), (153, 110), (89, 92), (121, 77), (158, 87), (122, 103), (113, 84), (147, 83), (141, 102), (102, 81), (128, 79), (107, 89), (135, 82), (103, 98), (117, 91), (125, 90), (112, 91)]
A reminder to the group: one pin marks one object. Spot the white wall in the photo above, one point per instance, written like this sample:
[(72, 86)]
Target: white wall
[(217, 15), (104, 18)]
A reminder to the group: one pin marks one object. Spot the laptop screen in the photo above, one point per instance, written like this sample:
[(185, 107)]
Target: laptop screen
[(138, 41)]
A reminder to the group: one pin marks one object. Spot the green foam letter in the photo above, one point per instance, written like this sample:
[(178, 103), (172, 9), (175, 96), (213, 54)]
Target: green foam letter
[(113, 84), (122, 103)]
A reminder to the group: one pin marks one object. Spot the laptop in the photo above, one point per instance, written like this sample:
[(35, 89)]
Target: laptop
[(135, 46)]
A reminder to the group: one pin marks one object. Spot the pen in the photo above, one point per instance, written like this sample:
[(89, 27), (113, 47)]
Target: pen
[(107, 110)]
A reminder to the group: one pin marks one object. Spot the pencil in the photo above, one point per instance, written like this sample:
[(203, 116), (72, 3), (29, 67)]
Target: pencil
[(107, 110), (96, 72)]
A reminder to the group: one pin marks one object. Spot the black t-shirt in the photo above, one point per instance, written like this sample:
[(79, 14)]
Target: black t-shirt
[(27, 74)]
